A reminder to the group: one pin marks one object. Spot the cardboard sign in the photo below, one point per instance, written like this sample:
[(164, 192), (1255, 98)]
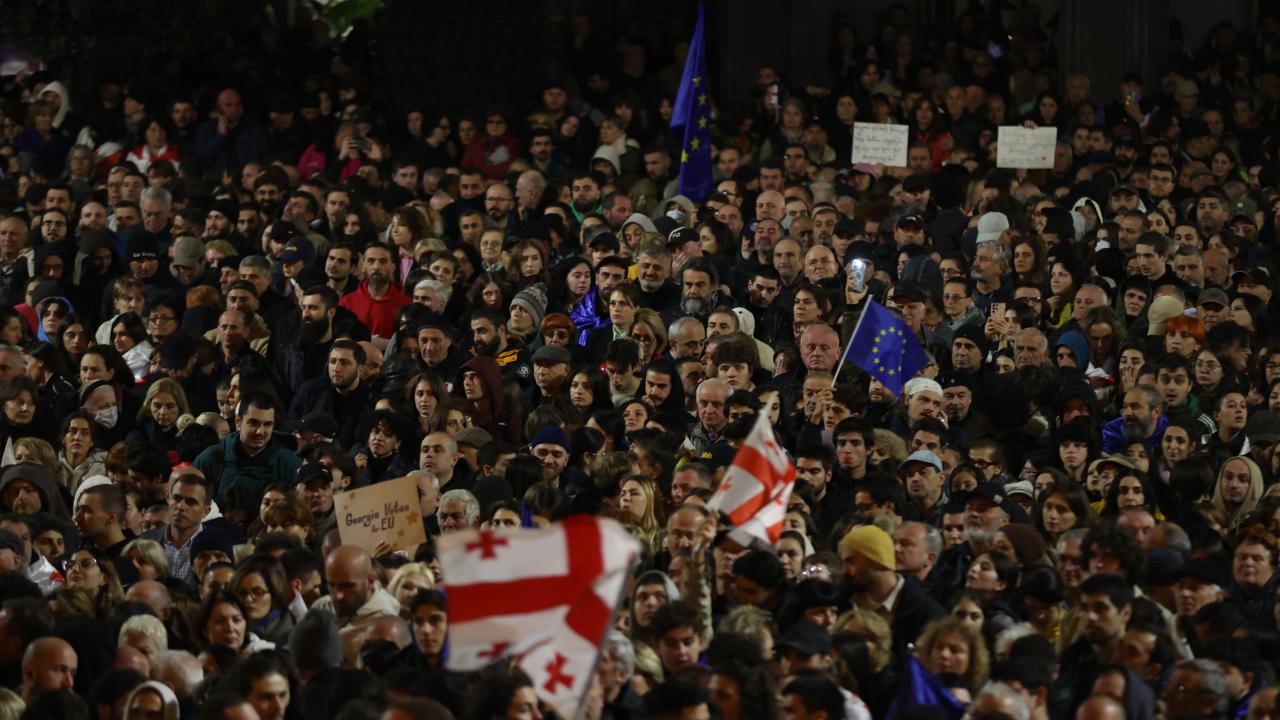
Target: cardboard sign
[(880, 144), (1019, 147), (383, 512)]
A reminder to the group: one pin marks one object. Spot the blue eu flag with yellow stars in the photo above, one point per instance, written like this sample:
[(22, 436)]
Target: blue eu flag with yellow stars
[(691, 121), (885, 347)]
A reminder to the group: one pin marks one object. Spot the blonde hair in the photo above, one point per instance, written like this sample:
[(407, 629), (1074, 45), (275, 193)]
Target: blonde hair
[(893, 445), (976, 674), (404, 571), (146, 626), (152, 554), (44, 454), (875, 629), (11, 704), (164, 385)]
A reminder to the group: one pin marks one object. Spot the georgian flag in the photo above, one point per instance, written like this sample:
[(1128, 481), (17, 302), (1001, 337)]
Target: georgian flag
[(545, 596), (756, 487)]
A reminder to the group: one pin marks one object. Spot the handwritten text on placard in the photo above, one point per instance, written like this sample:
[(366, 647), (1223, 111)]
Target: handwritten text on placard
[(880, 144)]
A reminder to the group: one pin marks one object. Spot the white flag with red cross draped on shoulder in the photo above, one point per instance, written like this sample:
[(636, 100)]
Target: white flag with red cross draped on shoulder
[(545, 596), (757, 486)]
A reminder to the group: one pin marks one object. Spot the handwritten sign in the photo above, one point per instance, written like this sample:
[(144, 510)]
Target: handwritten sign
[(385, 512), (1031, 148), (880, 144)]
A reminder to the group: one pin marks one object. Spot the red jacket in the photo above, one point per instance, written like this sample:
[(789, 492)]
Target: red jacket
[(379, 314)]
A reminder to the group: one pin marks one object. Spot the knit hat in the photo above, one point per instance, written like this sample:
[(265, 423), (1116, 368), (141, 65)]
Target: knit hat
[(872, 543), (919, 385), (212, 537), (533, 299), (142, 245), (314, 641), (227, 207), (1162, 310), (551, 435), (9, 539)]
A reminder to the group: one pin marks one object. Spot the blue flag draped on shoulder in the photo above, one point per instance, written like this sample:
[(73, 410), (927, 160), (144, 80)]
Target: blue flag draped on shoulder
[(885, 347), (691, 121), (921, 687)]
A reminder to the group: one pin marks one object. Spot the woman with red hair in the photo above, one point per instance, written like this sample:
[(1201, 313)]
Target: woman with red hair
[(1184, 335)]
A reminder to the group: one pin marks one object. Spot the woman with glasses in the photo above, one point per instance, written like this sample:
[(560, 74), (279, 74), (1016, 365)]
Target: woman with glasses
[(162, 321), (263, 589), (91, 570), (649, 332)]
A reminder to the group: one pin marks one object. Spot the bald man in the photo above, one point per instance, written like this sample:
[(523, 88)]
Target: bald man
[(1100, 707), (154, 595), (373, 655), (354, 597), (131, 658), (49, 664)]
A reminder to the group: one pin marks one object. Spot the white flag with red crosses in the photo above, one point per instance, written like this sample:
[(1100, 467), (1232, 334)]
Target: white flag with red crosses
[(545, 596), (756, 487)]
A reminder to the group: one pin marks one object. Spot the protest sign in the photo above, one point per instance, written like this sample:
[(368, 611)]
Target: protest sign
[(880, 144), (1030, 148), (385, 512)]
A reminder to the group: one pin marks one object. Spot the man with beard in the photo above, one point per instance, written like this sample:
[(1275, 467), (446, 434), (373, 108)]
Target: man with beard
[(585, 194), (871, 577), (378, 300), (653, 274), (355, 598), (436, 346), (220, 221), (339, 393), (339, 264), (299, 356), (1141, 419), (986, 509), (1106, 604), (499, 204), (268, 189), (489, 338), (698, 281)]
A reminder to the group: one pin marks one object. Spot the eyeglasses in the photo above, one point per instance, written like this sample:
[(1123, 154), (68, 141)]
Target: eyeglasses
[(252, 594), (82, 563), (1210, 366), (156, 318)]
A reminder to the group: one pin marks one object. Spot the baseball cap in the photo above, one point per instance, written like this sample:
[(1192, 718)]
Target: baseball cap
[(681, 236), (319, 423), (606, 239), (1213, 296), (299, 249), (991, 225), (1263, 427), (552, 354), (923, 456), (283, 230), (865, 168), (142, 245), (848, 226), (314, 472), (187, 251), (910, 221), (916, 183), (992, 493)]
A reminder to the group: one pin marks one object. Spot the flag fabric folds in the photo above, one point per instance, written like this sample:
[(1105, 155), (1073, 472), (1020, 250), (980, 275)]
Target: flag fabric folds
[(691, 121), (885, 347), (545, 596), (921, 687), (756, 487)]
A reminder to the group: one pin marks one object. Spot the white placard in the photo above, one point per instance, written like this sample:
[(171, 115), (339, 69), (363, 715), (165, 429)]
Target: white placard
[(880, 144), (1030, 148)]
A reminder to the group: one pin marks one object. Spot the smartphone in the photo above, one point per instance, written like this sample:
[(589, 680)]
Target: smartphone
[(997, 310), (858, 273), (362, 144)]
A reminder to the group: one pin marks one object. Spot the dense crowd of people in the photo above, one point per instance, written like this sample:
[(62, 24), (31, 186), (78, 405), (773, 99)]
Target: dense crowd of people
[(221, 305)]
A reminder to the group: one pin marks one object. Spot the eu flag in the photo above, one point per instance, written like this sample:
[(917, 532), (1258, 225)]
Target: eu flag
[(921, 687), (691, 121), (885, 347)]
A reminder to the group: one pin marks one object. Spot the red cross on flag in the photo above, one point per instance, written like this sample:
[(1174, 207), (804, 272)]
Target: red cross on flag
[(756, 487), (547, 596)]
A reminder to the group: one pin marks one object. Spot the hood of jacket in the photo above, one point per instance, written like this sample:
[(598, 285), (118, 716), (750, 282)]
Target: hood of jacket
[(489, 371), (35, 474)]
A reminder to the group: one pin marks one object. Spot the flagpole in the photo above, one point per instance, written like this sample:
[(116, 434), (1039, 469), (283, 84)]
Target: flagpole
[(613, 619), (836, 375)]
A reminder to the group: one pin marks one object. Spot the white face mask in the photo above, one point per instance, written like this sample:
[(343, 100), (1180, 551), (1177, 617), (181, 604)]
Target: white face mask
[(678, 215), (107, 417)]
